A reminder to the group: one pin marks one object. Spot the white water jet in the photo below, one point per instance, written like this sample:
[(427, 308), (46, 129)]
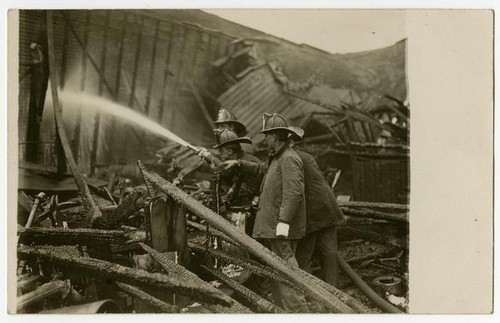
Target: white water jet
[(77, 100)]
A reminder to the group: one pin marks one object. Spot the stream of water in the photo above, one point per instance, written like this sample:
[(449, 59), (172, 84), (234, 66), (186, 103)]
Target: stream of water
[(74, 100)]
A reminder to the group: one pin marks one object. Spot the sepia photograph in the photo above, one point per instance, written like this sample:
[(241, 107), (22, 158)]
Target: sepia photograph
[(212, 161)]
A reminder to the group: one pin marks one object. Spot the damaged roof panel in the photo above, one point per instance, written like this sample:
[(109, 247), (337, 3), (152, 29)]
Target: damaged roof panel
[(259, 92)]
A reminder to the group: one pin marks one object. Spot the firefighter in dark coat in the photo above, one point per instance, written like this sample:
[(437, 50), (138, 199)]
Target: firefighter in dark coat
[(323, 215), (242, 188), (281, 216)]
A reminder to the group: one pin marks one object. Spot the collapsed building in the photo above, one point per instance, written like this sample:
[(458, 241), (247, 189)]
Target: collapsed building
[(178, 67)]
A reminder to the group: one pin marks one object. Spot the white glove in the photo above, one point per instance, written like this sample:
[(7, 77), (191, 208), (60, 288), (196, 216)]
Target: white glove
[(282, 229)]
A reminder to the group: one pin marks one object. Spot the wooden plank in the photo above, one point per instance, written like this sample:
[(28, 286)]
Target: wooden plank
[(120, 56), (83, 73), (152, 67), (161, 219), (136, 64), (64, 61), (97, 120), (202, 106), (166, 72), (87, 200), (196, 50), (180, 70), (116, 90)]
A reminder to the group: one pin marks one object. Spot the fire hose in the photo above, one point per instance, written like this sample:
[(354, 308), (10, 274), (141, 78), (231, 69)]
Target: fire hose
[(370, 293)]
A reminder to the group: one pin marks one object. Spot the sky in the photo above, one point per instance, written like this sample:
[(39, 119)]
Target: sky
[(335, 31)]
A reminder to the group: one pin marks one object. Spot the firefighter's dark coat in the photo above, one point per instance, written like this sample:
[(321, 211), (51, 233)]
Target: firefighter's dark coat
[(282, 196), (321, 205)]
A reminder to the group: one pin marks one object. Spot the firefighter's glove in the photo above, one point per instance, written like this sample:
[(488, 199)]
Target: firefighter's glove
[(282, 229)]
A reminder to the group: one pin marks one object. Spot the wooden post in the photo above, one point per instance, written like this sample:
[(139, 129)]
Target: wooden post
[(116, 90), (97, 120), (165, 74), (39, 83), (61, 160), (178, 78), (152, 68), (83, 72), (87, 200), (136, 64)]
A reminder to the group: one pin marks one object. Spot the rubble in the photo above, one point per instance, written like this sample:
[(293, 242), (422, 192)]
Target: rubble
[(81, 250)]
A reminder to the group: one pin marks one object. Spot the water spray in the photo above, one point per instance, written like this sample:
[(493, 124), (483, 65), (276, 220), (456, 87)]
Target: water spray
[(73, 99)]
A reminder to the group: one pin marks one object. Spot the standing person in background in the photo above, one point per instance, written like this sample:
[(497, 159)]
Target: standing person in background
[(323, 215)]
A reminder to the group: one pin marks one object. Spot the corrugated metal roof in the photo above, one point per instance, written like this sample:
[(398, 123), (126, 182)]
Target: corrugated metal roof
[(259, 92)]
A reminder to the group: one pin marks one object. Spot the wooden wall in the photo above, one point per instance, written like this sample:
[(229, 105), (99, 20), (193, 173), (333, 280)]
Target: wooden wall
[(142, 61)]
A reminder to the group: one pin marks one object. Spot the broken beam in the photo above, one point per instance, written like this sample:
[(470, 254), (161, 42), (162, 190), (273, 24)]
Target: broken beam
[(176, 271), (56, 287), (212, 232), (258, 303), (62, 236), (87, 200), (376, 205), (128, 275), (145, 297), (127, 206), (255, 267), (299, 277), (401, 217)]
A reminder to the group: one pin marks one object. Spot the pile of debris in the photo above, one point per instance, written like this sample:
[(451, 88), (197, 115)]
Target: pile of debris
[(157, 249)]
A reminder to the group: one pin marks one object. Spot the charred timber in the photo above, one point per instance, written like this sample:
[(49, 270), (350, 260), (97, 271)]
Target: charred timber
[(211, 231), (375, 215), (257, 303), (347, 232), (375, 205), (126, 208), (299, 277), (142, 296), (62, 236), (128, 275), (176, 271), (349, 300), (255, 267), (56, 287)]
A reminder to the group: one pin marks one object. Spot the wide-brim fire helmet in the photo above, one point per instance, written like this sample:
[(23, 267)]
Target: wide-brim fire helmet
[(225, 137), (274, 121), (224, 116)]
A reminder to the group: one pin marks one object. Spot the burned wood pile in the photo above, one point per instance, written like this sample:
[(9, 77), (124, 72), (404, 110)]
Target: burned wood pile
[(152, 245), (158, 249)]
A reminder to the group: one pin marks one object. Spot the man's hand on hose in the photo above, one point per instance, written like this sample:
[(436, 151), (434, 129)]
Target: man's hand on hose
[(228, 164), (282, 229), (201, 151)]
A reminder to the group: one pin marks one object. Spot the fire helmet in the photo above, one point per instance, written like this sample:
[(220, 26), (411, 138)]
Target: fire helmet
[(225, 136), (224, 116), (275, 121)]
